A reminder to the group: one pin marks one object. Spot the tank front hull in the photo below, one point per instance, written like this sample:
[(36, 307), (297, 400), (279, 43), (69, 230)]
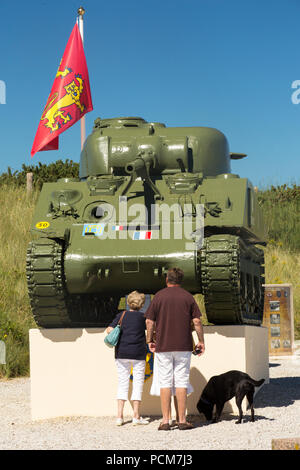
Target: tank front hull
[(95, 265)]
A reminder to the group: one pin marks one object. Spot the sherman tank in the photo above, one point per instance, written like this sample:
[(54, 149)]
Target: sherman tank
[(148, 197)]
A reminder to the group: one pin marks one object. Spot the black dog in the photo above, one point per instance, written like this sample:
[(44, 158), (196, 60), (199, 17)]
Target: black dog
[(222, 388)]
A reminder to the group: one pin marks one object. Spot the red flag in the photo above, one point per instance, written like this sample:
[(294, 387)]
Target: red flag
[(69, 99)]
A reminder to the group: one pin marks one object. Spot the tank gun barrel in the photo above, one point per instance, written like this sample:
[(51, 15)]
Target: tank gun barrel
[(141, 164), (140, 168)]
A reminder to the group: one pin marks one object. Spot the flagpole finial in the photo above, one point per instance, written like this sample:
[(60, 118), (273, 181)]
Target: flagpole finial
[(81, 11)]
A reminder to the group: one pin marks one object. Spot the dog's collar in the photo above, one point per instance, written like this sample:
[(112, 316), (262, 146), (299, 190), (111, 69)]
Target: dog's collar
[(205, 401)]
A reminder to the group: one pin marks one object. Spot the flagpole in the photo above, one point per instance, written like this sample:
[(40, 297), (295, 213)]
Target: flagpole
[(81, 12)]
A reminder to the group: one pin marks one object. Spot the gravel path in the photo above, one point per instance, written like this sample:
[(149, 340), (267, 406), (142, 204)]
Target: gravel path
[(277, 409)]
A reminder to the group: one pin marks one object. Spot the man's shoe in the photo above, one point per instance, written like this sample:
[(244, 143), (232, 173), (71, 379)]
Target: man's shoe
[(164, 427), (184, 426), (119, 421)]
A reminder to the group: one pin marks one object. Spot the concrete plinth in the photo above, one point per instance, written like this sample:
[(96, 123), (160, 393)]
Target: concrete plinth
[(73, 372)]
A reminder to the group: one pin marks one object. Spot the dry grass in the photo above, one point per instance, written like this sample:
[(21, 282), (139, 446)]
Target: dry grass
[(15, 315)]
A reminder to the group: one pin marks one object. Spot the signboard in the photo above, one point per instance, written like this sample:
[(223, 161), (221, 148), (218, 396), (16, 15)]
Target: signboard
[(279, 318)]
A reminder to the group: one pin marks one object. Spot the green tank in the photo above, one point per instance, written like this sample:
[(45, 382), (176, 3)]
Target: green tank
[(90, 248)]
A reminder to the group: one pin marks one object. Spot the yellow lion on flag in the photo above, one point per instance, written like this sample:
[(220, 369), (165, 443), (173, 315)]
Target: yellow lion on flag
[(52, 113)]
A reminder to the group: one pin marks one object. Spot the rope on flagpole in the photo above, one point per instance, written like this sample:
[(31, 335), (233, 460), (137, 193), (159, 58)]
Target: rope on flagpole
[(81, 12)]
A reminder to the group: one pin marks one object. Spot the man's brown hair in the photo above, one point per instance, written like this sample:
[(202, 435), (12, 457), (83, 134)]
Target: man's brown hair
[(175, 276)]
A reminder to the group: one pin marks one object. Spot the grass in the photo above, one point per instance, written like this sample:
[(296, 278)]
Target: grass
[(16, 208), (15, 314), (283, 224)]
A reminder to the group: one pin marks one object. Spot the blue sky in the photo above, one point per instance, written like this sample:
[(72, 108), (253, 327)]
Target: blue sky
[(228, 64)]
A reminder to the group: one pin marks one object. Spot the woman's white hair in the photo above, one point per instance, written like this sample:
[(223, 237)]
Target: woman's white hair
[(136, 300)]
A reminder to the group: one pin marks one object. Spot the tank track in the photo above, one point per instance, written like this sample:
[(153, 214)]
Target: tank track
[(232, 277), (51, 305)]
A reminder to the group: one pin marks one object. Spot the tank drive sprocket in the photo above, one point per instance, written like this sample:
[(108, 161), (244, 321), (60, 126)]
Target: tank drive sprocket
[(51, 304), (232, 276)]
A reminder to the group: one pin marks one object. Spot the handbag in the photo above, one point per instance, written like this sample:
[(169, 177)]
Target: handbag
[(112, 339)]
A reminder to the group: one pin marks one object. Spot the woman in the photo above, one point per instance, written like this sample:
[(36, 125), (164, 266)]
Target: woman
[(131, 352)]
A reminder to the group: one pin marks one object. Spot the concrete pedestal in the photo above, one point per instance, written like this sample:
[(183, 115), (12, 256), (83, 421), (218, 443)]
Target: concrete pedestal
[(73, 372)]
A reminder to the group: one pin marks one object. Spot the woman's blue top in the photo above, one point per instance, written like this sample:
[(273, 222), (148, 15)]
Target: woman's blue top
[(132, 342)]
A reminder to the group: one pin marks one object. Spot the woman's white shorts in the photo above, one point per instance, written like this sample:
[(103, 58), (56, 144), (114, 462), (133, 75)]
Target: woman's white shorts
[(138, 371)]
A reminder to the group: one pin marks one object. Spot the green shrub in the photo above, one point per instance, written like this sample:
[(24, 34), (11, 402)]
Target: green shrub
[(42, 173)]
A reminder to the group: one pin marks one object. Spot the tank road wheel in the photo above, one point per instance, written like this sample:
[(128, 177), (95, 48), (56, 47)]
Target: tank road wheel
[(232, 274), (52, 306)]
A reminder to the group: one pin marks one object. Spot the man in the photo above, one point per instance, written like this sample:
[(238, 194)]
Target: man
[(169, 315)]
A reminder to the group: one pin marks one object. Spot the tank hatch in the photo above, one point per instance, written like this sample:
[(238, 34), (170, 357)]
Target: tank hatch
[(120, 122)]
